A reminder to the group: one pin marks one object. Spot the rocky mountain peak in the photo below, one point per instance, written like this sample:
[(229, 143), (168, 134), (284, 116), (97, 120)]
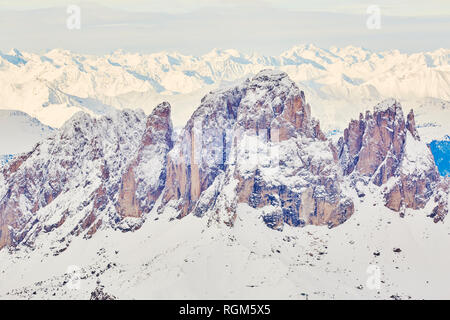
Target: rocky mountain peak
[(238, 139), (90, 174), (385, 149), (145, 176), (373, 145), (162, 110), (272, 101), (159, 125)]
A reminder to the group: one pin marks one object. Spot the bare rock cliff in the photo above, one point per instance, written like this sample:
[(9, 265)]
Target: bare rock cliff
[(257, 144), (386, 150)]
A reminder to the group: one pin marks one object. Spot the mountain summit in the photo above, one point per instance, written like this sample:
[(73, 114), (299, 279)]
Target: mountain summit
[(257, 143)]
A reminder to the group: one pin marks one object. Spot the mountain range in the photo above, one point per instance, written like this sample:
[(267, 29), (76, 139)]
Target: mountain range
[(338, 81), (250, 189)]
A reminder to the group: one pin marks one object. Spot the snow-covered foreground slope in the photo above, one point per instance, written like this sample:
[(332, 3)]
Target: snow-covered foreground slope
[(340, 82), (19, 132), (186, 259)]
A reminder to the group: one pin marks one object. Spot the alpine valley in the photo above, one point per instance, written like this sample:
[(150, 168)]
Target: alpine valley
[(231, 188)]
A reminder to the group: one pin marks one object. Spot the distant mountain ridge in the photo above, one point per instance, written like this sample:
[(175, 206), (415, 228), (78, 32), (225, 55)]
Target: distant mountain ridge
[(339, 81)]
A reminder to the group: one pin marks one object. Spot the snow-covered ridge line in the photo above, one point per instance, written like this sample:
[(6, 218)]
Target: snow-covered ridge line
[(44, 85), (356, 53)]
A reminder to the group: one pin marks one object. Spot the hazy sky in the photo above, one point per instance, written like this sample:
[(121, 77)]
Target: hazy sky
[(197, 26), (390, 7)]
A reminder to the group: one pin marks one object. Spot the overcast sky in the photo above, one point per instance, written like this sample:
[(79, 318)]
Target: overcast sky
[(197, 26)]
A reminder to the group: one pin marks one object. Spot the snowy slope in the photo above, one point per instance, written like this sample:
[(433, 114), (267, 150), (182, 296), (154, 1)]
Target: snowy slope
[(19, 132), (186, 259)]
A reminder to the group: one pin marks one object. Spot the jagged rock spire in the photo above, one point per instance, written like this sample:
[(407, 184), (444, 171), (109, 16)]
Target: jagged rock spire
[(382, 148)]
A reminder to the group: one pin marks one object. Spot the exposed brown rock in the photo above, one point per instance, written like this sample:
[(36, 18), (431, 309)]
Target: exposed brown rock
[(189, 170), (127, 205), (58, 224), (375, 147), (157, 141)]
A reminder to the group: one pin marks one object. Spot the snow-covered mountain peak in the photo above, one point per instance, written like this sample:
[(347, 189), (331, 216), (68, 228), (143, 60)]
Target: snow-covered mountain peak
[(388, 104), (217, 53), (270, 85), (230, 153), (16, 52), (385, 149)]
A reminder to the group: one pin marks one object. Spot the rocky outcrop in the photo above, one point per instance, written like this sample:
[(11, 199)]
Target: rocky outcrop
[(144, 179), (442, 200), (373, 145), (100, 294), (92, 173), (257, 144), (386, 150)]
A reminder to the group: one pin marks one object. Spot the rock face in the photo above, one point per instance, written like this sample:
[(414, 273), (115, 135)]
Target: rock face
[(92, 172), (256, 143), (373, 145), (145, 177), (385, 149)]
